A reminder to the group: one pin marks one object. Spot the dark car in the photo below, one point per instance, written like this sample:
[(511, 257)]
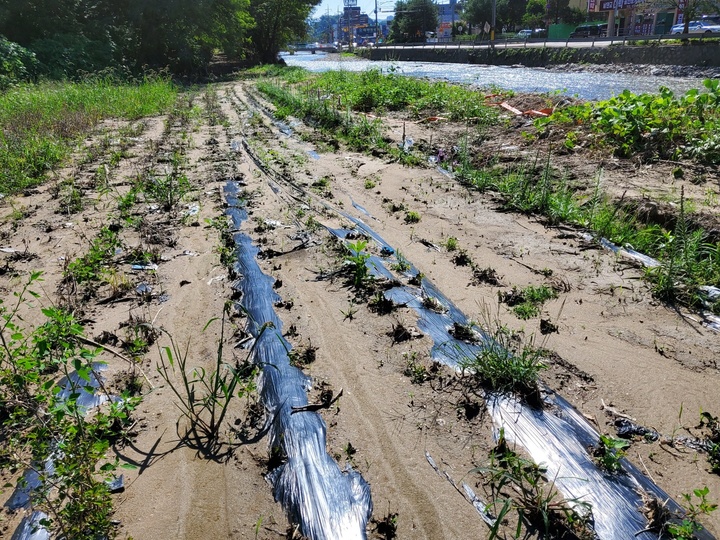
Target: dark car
[(589, 31)]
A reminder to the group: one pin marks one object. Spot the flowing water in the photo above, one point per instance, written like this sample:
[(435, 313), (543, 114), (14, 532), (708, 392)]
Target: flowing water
[(520, 79)]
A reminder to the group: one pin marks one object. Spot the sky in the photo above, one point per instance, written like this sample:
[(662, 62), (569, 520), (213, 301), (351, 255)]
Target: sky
[(366, 6)]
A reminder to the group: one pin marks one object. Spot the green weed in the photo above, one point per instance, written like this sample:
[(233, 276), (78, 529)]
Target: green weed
[(534, 499), (42, 420), (203, 396), (609, 452)]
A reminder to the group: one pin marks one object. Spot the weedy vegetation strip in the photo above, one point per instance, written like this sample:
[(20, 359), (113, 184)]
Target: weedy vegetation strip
[(326, 502), (48, 382), (41, 123)]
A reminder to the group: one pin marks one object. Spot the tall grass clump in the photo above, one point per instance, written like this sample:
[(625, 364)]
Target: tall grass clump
[(41, 122), (373, 90)]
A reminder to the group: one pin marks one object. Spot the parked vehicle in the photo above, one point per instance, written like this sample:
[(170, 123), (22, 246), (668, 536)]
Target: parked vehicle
[(528, 33), (590, 30), (696, 27)]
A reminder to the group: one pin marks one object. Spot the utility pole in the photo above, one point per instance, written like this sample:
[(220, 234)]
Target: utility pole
[(377, 29), (494, 12)]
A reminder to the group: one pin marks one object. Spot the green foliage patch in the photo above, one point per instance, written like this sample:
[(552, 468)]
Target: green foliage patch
[(656, 126), (41, 123)]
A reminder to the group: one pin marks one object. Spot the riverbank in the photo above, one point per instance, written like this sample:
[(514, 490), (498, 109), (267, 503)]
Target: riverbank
[(696, 56)]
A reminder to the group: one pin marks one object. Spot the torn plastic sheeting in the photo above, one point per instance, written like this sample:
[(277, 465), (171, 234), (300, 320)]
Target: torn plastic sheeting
[(630, 253), (559, 437), (326, 502), (73, 384), (30, 528), (29, 482), (446, 348), (86, 400), (361, 208)]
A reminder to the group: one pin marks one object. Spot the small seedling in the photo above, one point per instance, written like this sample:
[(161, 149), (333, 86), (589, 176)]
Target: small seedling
[(412, 217), (451, 244), (402, 264), (349, 313), (433, 304), (356, 259), (609, 452)]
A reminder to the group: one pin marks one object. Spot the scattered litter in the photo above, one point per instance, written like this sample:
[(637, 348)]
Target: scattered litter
[(192, 209), (8, 250), (431, 119), (117, 485), (313, 154), (153, 207), (466, 492), (216, 278), (407, 144), (505, 105), (151, 266), (627, 430), (272, 223), (143, 289), (68, 225), (235, 146)]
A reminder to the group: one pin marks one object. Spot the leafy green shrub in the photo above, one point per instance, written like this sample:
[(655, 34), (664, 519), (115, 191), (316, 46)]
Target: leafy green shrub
[(17, 65), (656, 125)]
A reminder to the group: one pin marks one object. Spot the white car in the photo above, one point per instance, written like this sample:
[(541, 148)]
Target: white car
[(524, 34), (696, 27)]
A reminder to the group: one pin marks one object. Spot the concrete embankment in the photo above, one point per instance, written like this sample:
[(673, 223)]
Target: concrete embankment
[(693, 54)]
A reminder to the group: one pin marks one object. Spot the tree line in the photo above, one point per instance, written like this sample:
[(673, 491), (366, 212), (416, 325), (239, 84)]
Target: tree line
[(69, 38)]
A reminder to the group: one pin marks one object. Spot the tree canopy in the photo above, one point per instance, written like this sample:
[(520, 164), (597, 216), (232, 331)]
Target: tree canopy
[(412, 19), (72, 37)]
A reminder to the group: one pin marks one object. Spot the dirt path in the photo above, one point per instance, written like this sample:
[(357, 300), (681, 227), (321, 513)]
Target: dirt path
[(615, 344)]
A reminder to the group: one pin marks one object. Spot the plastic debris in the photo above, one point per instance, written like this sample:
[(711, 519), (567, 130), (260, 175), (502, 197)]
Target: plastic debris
[(151, 266), (192, 209), (117, 484), (326, 502), (30, 528)]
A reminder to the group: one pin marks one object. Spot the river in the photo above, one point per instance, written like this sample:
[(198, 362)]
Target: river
[(584, 85)]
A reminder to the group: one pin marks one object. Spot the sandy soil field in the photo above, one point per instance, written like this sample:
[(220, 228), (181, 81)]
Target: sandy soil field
[(616, 352)]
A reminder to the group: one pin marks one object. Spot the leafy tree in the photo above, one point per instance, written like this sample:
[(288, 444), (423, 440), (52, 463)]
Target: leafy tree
[(18, 64), (508, 13), (277, 23), (323, 29), (534, 14), (412, 19), (477, 12)]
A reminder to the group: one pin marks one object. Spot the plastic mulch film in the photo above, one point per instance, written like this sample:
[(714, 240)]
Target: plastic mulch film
[(325, 501)]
